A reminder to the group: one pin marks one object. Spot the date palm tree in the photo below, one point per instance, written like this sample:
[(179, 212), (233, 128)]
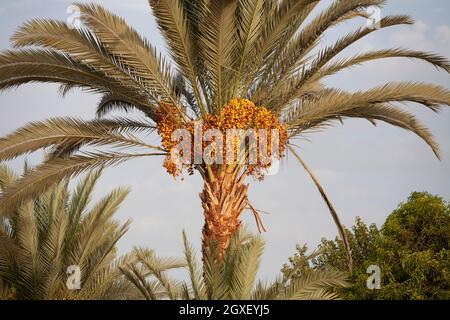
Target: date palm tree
[(42, 238), (220, 51)]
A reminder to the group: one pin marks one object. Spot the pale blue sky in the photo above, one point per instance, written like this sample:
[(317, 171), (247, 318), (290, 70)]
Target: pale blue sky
[(367, 171)]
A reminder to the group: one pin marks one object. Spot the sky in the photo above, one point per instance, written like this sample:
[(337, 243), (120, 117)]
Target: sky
[(367, 171)]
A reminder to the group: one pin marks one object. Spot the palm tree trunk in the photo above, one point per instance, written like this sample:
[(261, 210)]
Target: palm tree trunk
[(224, 198)]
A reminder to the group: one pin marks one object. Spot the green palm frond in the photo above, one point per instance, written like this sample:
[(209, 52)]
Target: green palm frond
[(315, 285), (195, 275), (109, 284), (148, 273), (46, 235), (245, 268), (213, 274), (231, 278), (157, 267)]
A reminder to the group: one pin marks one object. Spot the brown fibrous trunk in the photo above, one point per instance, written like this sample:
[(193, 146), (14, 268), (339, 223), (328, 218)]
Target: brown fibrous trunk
[(224, 198)]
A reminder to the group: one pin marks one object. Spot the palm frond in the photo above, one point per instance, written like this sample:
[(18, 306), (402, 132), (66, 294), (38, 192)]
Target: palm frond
[(333, 104), (295, 51), (396, 117), (250, 23), (31, 65), (49, 234), (245, 269), (130, 49), (148, 273), (345, 63), (54, 170), (66, 132), (195, 275), (282, 24), (7, 177), (174, 24), (213, 274), (82, 46), (323, 57), (115, 102), (218, 39), (315, 285), (135, 275), (330, 206), (157, 267)]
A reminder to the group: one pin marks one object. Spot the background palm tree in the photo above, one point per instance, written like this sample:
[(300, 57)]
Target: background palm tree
[(234, 278), (267, 51), (43, 237)]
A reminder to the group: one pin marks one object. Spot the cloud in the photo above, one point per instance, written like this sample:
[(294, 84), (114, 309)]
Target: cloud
[(422, 36), (416, 35), (443, 33)]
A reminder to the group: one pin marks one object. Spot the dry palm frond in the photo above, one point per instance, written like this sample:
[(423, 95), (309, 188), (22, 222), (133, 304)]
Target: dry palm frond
[(130, 49), (30, 65), (335, 104), (174, 24), (249, 29), (304, 41), (63, 132), (342, 64), (323, 57), (217, 38), (80, 45), (330, 206), (57, 169)]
